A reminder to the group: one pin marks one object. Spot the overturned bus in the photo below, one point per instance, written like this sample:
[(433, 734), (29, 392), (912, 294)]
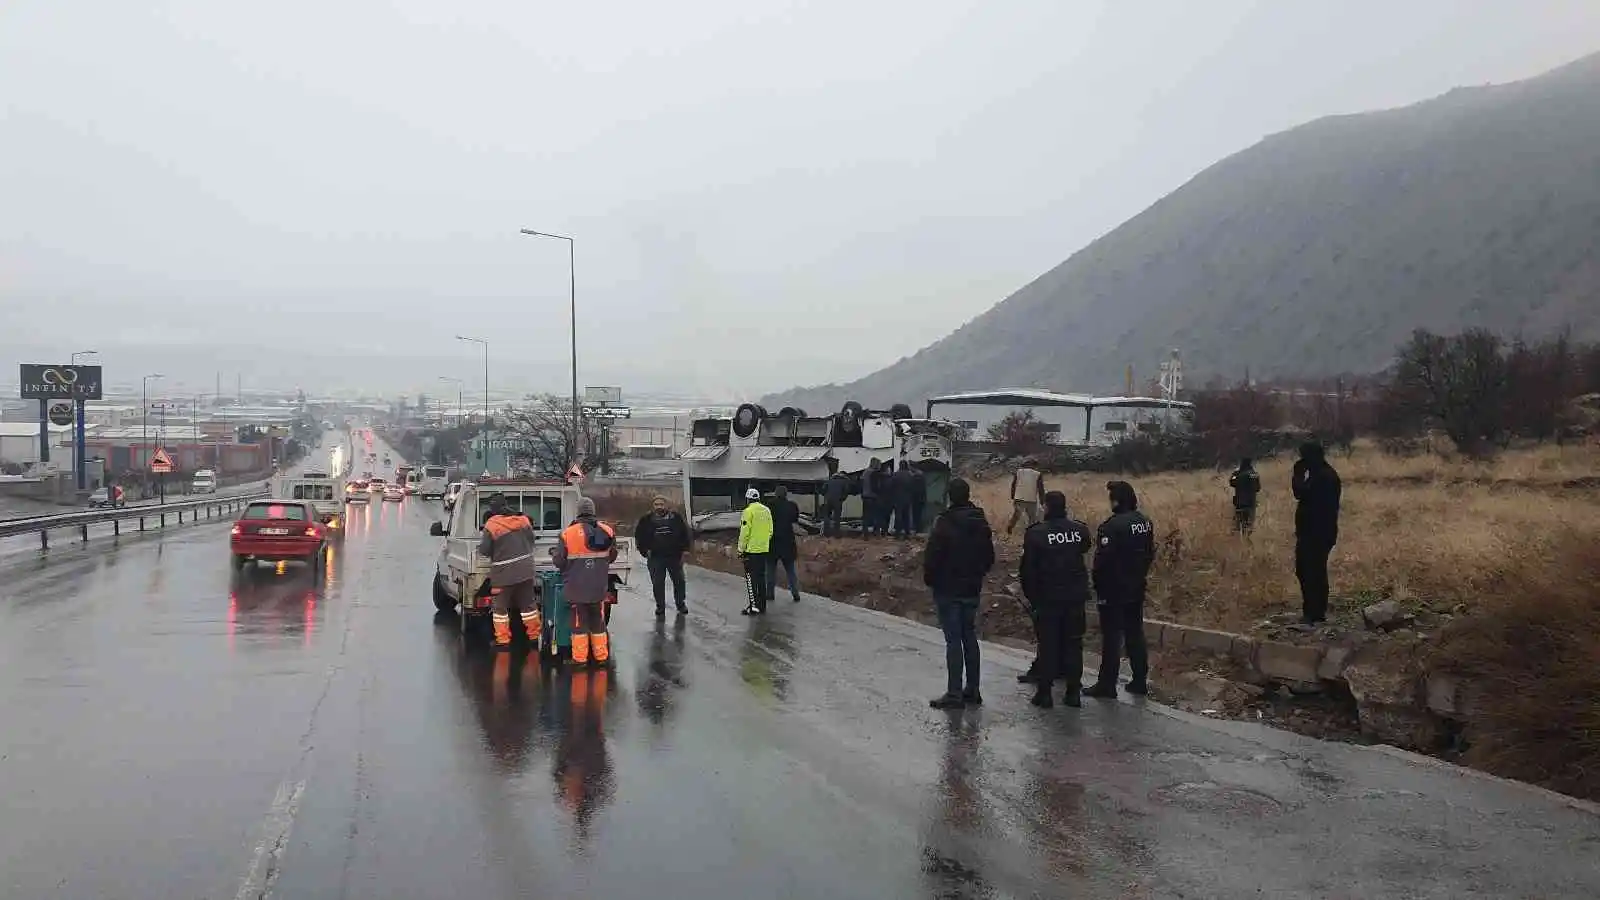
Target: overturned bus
[(732, 451)]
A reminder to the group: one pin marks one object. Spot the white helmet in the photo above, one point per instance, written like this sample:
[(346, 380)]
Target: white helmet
[(752, 494)]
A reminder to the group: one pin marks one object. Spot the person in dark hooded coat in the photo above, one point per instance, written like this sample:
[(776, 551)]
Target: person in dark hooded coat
[(1125, 548), (1317, 492)]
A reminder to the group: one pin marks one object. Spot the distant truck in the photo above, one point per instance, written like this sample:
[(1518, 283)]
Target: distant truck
[(324, 492), (205, 482), (461, 575), (433, 483)]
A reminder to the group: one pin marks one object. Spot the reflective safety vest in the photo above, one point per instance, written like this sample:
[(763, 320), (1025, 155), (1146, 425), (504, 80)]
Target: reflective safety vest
[(585, 567)]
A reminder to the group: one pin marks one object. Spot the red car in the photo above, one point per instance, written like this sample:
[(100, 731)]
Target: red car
[(279, 530)]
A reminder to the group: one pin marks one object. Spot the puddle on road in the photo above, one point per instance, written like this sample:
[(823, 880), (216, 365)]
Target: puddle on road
[(1209, 796)]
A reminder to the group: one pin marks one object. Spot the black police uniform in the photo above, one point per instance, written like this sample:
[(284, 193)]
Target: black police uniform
[(1125, 547), (1055, 579)]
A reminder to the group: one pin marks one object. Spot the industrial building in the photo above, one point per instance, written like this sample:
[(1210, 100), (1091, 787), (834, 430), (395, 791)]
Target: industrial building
[(1071, 419)]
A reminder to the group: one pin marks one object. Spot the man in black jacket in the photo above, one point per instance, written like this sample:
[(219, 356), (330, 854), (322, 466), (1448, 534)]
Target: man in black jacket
[(783, 549), (1056, 582), (872, 487), (1317, 492), (901, 487), (662, 537), (1246, 484), (1125, 547), (960, 552), (833, 497)]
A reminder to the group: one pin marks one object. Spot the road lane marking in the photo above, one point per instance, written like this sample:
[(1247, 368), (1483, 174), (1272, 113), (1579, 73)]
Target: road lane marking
[(258, 880)]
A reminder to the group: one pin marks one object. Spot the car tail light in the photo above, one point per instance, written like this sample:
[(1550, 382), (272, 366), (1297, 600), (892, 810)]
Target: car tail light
[(237, 530), (312, 531)]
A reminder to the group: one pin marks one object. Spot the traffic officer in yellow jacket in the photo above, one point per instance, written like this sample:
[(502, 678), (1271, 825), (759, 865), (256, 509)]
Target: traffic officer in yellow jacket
[(584, 558), (755, 545), (508, 540)]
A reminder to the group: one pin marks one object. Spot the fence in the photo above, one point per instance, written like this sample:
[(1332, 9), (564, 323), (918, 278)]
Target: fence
[(210, 508)]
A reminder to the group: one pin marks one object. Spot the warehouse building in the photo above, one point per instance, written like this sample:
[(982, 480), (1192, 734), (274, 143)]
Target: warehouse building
[(1072, 419)]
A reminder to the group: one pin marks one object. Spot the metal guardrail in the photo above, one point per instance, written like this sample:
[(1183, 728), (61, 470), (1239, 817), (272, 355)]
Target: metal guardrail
[(212, 507)]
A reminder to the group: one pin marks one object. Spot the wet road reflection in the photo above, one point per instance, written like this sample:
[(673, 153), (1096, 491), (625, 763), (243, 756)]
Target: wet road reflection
[(661, 678), (792, 755)]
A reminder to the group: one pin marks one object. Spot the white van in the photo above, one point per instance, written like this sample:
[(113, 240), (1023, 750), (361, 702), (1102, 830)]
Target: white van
[(324, 493), (205, 482), (434, 482)]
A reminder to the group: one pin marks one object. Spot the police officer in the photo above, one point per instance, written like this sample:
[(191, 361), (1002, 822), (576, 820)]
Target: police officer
[(1055, 579), (1125, 546)]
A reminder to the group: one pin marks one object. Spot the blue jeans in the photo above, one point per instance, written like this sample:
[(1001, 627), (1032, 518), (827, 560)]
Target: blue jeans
[(958, 616), (773, 561)]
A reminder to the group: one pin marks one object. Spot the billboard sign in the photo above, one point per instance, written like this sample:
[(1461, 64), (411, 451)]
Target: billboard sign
[(602, 396), (60, 382), (61, 414)]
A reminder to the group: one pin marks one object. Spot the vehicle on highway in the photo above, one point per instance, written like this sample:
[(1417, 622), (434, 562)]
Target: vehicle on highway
[(435, 481), (279, 531), (205, 482), (394, 492), (451, 493), (376, 485), (327, 494), (112, 497), (356, 492), (405, 476), (461, 574)]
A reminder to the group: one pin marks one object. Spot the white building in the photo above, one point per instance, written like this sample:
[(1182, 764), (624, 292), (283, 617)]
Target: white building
[(19, 444), (1077, 419)]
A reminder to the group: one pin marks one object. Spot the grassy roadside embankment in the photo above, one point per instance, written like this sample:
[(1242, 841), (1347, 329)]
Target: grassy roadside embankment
[(1499, 560)]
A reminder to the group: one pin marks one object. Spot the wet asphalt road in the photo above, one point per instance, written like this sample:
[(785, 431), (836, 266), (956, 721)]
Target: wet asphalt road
[(171, 731)]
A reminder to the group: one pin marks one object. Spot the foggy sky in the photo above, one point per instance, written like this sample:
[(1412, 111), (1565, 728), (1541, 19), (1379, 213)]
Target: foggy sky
[(763, 194)]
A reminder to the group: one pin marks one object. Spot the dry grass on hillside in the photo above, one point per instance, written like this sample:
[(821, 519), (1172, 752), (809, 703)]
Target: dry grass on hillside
[(1425, 530), (1537, 667)]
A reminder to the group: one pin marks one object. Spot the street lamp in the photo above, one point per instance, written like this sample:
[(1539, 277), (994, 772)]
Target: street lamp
[(473, 340), (144, 401), (572, 299), (461, 395)]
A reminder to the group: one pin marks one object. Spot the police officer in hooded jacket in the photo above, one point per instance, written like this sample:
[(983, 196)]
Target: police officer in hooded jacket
[(1125, 548), (1055, 579)]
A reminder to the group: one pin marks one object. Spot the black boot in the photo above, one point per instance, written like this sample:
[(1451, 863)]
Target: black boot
[(661, 610), (947, 701), (683, 607), (1041, 698), (1071, 697), (1029, 677), (971, 697), (1102, 691)]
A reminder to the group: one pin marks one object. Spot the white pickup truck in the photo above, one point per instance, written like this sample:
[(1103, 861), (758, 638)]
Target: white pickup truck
[(460, 574)]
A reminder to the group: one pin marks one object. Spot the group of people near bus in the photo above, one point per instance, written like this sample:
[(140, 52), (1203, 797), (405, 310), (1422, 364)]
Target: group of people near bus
[(1064, 565)]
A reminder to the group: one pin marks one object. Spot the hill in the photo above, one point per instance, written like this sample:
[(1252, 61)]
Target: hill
[(1314, 252)]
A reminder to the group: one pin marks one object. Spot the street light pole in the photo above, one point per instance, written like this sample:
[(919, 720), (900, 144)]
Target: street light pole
[(485, 344), (79, 448), (461, 395), (572, 300), (144, 440)]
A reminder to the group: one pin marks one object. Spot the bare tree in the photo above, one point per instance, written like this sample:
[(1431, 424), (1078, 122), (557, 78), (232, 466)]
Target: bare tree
[(1020, 433), (1543, 378), (1458, 384), (544, 427)]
